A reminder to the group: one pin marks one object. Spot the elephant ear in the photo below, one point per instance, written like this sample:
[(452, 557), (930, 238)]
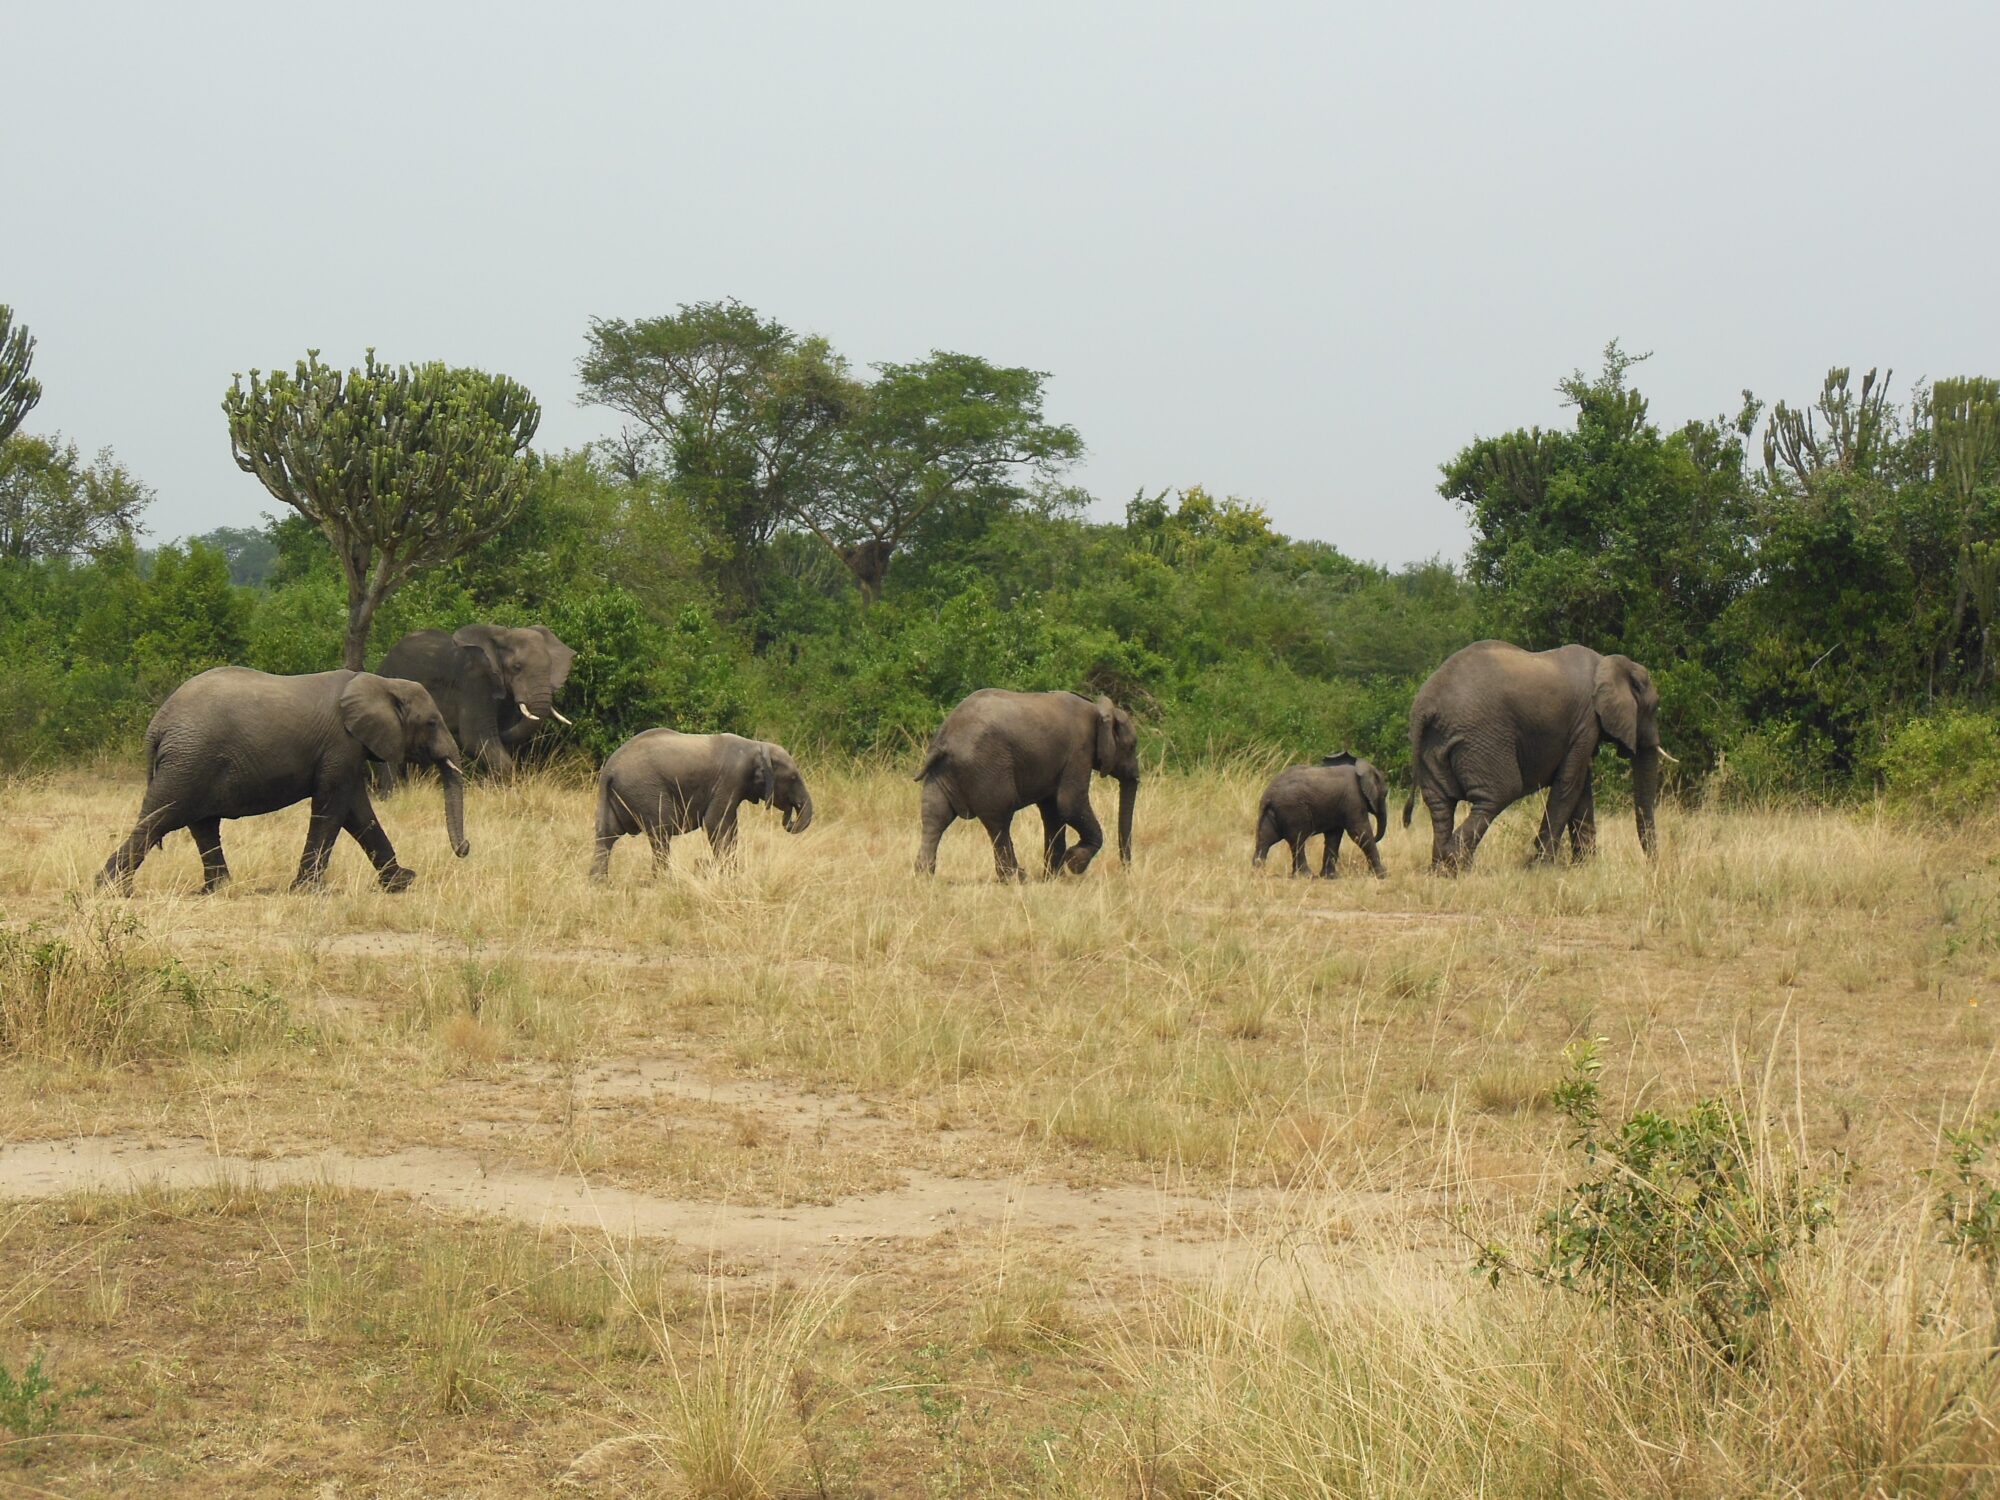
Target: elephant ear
[(1616, 700), (1339, 758), (1107, 734), (371, 712), (480, 638), (763, 783), (561, 658)]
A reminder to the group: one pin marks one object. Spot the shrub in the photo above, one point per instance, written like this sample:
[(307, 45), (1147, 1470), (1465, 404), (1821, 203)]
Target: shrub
[(1687, 1220), (1946, 765)]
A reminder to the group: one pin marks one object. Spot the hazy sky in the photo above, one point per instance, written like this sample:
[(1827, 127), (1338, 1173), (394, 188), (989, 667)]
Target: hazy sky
[(1299, 254)]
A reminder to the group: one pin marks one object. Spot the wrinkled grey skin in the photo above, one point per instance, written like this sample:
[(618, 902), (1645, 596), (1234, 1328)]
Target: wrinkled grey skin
[(233, 743), (1495, 723), (483, 677), (999, 752), (1334, 798), (661, 783)]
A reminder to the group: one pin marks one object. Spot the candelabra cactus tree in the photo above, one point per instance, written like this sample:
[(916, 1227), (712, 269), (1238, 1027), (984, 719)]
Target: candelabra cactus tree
[(402, 468), (19, 391)]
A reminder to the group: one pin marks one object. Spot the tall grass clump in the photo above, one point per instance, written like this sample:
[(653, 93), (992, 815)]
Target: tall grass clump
[(92, 991)]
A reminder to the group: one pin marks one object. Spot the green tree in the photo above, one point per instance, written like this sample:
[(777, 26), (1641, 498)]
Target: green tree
[(952, 431), (190, 617), (735, 408), (401, 468), (53, 504), (250, 551), (19, 391)]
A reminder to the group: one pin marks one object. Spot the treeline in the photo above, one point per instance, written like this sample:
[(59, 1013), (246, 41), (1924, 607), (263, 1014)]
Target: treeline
[(776, 543)]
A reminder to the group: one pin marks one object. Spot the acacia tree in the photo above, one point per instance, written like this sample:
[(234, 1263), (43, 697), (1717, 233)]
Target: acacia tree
[(952, 429), (736, 408), (401, 468), (53, 504), (19, 391)]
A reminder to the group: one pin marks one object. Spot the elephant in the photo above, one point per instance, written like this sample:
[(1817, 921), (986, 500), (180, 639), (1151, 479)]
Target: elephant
[(233, 743), (661, 783), (1335, 797), (1000, 751), (1497, 722), (494, 684)]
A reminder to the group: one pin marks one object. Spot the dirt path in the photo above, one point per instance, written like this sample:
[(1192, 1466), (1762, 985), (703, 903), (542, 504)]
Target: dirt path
[(1135, 1229)]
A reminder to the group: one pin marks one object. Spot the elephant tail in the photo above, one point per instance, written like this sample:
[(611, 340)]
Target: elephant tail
[(932, 763), (1409, 806)]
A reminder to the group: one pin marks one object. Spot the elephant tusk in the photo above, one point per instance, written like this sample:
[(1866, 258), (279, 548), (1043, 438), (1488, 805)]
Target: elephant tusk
[(1672, 760), (528, 713), (556, 714), (452, 766)]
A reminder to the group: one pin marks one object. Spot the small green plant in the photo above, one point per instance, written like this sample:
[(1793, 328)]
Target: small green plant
[(1687, 1219), (29, 1404), (1969, 1207)]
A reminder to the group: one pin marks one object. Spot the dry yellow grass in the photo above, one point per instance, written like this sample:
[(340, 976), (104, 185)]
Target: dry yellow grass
[(969, 1097)]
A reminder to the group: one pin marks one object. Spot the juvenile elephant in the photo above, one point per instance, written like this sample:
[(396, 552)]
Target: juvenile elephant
[(233, 743), (1495, 723), (1338, 796), (999, 752), (661, 783), (494, 684)]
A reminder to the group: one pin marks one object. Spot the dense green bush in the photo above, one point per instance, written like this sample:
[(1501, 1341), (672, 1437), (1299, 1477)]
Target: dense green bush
[(1946, 764)]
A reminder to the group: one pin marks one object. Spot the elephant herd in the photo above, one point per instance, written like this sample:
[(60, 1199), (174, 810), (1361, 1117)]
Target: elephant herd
[(1492, 725)]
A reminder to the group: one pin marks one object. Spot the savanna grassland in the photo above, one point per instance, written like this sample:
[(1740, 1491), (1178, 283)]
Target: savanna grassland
[(810, 1177)]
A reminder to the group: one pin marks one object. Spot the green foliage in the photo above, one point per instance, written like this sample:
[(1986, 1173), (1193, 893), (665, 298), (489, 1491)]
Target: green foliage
[(29, 1403), (53, 504), (1968, 1209), (1686, 1220), (1947, 764)]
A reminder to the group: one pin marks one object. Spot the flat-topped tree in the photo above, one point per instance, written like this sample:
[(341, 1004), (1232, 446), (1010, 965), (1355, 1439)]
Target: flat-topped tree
[(19, 391), (402, 468)]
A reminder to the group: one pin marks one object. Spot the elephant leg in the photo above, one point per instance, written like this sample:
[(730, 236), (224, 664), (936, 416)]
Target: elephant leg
[(208, 839), (1329, 854), (1566, 793), (1364, 839), (600, 859), (384, 776), (1089, 834), (154, 824), (361, 825), (1055, 836), (322, 828), (663, 846), (1465, 843), (1297, 845), (938, 816), (722, 835), (1583, 825), (1001, 830), (1444, 812), (1267, 835)]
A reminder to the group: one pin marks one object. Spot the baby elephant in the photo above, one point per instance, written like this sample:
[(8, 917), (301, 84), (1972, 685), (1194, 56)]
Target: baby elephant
[(661, 783), (1336, 796)]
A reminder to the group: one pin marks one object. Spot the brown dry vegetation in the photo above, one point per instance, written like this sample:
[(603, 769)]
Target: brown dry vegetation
[(812, 1177)]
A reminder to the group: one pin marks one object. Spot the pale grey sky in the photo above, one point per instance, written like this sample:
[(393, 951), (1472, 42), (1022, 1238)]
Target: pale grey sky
[(1297, 253)]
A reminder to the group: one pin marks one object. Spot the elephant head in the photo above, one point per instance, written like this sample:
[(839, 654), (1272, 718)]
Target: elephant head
[(1628, 714), (1117, 756), (788, 792), (396, 722), (526, 665)]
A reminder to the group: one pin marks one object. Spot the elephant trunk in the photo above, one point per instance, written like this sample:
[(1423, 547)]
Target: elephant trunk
[(1128, 795), (454, 808), (799, 814), (1646, 794)]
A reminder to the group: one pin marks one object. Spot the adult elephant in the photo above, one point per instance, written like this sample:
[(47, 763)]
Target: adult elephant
[(661, 783), (233, 743), (1495, 723), (1000, 751), (494, 684)]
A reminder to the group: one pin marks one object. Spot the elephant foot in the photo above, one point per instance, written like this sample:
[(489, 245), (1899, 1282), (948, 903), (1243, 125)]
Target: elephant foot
[(397, 878), (1077, 861), (210, 887), (118, 885)]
